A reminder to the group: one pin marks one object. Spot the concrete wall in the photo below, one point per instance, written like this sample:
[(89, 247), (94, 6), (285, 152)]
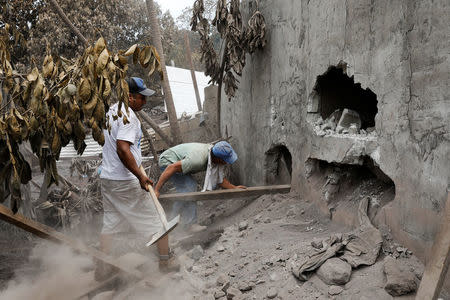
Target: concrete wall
[(398, 49)]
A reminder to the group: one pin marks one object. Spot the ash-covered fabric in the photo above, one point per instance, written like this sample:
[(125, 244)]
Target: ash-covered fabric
[(128, 207), (360, 247), (112, 166), (215, 174)]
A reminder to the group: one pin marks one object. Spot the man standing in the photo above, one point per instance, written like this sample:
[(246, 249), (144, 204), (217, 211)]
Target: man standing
[(179, 162), (126, 202)]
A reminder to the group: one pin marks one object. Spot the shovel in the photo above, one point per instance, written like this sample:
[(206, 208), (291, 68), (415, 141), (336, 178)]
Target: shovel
[(167, 226)]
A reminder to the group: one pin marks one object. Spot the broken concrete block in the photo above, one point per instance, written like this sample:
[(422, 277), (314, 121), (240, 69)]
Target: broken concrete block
[(348, 118), (335, 271), (233, 293), (335, 290), (400, 281), (243, 225), (272, 293)]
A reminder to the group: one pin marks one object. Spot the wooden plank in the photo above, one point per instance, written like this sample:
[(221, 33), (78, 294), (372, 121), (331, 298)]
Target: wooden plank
[(439, 260), (51, 234), (227, 194)]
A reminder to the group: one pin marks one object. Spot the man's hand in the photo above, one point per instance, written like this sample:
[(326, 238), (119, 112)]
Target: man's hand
[(144, 181), (241, 187)]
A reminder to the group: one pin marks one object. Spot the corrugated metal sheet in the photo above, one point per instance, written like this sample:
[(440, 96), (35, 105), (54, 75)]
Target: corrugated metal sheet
[(93, 149)]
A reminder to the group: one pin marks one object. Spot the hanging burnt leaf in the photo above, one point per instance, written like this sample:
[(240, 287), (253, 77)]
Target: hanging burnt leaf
[(131, 50)]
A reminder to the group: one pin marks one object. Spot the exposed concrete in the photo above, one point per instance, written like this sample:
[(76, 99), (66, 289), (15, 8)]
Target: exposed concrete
[(397, 49)]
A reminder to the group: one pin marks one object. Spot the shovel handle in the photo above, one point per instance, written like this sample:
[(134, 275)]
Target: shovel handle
[(159, 208)]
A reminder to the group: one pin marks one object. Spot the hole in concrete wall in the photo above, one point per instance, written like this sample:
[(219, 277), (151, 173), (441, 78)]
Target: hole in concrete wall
[(342, 186), (278, 165), (336, 96)]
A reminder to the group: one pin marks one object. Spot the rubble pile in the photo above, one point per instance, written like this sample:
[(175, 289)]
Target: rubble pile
[(342, 121)]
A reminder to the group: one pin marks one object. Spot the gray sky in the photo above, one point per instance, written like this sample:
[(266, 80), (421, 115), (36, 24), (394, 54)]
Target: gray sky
[(174, 6)]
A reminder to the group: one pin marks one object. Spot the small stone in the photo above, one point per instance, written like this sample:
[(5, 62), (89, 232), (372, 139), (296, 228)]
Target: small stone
[(244, 286), (399, 281), (222, 279), (267, 220), (243, 225), (233, 292), (220, 248), (278, 247), (195, 269), (317, 243), (302, 211), (260, 282), (219, 294), (335, 290), (209, 272), (241, 234), (335, 271), (272, 293)]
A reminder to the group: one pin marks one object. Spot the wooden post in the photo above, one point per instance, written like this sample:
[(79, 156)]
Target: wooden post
[(439, 260), (156, 37), (156, 128), (66, 20), (191, 65)]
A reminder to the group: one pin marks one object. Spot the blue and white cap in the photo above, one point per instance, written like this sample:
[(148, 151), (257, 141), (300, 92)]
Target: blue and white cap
[(136, 85), (224, 151)]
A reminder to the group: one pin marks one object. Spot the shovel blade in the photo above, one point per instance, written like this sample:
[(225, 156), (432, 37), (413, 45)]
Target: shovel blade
[(159, 235)]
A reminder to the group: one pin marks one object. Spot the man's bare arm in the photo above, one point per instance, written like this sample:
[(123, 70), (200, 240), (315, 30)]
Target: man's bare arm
[(228, 185), (168, 172), (127, 158)]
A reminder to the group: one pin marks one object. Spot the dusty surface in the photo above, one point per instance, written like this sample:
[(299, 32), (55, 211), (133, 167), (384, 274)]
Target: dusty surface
[(397, 49)]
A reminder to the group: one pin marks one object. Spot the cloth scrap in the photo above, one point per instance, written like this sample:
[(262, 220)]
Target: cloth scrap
[(360, 247)]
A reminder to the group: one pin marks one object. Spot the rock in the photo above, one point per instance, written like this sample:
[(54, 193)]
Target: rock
[(243, 225), (196, 253), (349, 117), (335, 271), (353, 129), (335, 290), (222, 279), (317, 243), (219, 294), (400, 280), (209, 272), (267, 220), (272, 293), (244, 286), (220, 248), (233, 293)]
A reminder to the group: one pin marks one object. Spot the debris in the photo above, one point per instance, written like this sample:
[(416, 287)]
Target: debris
[(348, 118), (219, 294), (245, 286), (220, 248), (335, 271), (243, 225), (361, 247), (400, 281), (335, 290), (272, 293)]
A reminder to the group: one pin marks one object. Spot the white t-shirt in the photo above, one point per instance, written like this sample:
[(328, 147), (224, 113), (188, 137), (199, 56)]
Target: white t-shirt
[(112, 166)]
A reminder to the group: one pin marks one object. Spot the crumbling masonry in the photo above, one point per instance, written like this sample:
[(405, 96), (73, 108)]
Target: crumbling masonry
[(385, 62)]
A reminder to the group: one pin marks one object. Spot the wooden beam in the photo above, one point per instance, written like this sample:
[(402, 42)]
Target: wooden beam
[(227, 194), (51, 234), (156, 128), (439, 260)]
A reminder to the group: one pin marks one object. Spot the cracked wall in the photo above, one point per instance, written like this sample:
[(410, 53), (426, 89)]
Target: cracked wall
[(397, 49)]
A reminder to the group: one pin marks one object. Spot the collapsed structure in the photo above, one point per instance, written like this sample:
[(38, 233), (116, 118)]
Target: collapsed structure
[(378, 69)]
